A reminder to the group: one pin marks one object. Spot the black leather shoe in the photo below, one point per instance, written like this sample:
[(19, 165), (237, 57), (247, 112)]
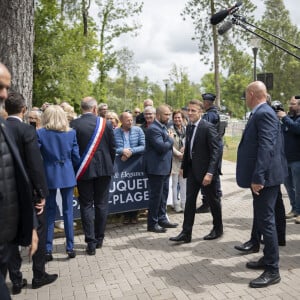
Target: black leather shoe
[(157, 229), (265, 279), (48, 256), (46, 279), (248, 247), (16, 288), (214, 234), (99, 244), (168, 225), (203, 209), (182, 237), (256, 265), (90, 251), (71, 254)]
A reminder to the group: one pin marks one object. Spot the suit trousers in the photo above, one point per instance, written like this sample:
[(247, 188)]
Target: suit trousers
[(192, 189), (4, 258), (279, 220), (93, 199), (38, 259), (67, 204), (159, 190), (264, 218)]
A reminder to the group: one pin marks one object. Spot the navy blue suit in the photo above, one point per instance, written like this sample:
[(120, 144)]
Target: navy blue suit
[(158, 163), (93, 186), (261, 160)]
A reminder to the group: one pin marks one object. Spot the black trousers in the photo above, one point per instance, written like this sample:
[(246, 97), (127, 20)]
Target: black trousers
[(4, 257), (93, 199), (211, 192), (280, 222), (38, 259)]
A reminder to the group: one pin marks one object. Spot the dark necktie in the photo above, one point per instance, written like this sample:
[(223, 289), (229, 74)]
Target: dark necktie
[(192, 128)]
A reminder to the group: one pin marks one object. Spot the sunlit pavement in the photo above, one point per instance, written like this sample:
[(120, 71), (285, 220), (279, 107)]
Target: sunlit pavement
[(136, 264)]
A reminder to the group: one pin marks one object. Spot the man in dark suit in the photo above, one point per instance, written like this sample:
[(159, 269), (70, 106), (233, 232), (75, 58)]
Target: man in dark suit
[(261, 166), (200, 167), (158, 163), (26, 140), (16, 213), (93, 185)]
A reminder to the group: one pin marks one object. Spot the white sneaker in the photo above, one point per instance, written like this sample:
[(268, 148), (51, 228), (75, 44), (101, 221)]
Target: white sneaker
[(297, 219)]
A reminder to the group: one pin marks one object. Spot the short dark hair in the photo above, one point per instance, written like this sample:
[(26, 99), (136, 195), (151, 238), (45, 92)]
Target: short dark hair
[(14, 103), (196, 102)]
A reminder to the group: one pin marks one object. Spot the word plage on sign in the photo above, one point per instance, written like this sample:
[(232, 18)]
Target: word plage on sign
[(128, 189)]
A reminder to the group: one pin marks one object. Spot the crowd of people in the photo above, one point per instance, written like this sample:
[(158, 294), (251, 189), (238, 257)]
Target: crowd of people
[(51, 148)]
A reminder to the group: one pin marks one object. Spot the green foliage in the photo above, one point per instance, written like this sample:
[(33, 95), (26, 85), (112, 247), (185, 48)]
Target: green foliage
[(285, 68), (63, 57), (116, 18)]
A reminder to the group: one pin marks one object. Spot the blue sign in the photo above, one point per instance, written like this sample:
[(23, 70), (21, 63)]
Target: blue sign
[(128, 189)]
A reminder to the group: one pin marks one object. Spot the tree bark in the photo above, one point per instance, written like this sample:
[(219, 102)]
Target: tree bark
[(16, 43)]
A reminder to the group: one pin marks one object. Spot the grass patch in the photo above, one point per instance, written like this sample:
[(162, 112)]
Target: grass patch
[(230, 147)]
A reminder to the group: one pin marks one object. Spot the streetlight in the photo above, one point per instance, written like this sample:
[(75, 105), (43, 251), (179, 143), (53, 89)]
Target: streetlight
[(166, 82), (255, 43)]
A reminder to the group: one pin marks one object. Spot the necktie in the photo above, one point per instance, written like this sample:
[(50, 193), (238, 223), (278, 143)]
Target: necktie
[(190, 139)]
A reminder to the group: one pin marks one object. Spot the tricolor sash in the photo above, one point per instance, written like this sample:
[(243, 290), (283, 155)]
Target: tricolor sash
[(91, 147)]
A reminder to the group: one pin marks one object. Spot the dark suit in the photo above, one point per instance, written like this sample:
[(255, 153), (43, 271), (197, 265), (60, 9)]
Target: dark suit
[(25, 214), (158, 163), (205, 159), (261, 160), (93, 187), (26, 140)]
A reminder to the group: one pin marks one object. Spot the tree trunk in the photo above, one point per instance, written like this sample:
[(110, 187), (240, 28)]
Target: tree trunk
[(16, 43)]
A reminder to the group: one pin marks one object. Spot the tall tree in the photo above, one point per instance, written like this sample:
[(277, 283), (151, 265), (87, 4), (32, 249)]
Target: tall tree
[(63, 56), (285, 68), (200, 12), (116, 18), (16, 43)]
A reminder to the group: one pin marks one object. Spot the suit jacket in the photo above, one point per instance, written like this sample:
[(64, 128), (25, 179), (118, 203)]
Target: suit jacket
[(61, 156), (26, 140), (261, 158), (205, 152), (24, 233), (103, 160), (159, 150)]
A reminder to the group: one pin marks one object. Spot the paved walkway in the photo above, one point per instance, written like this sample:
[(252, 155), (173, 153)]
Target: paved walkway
[(136, 264)]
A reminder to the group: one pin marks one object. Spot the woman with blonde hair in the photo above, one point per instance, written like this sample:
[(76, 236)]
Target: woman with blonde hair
[(113, 117), (60, 152)]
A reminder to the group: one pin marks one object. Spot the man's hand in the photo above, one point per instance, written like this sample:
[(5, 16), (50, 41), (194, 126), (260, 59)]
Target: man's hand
[(127, 152), (34, 243), (281, 114), (207, 179), (40, 206), (256, 188)]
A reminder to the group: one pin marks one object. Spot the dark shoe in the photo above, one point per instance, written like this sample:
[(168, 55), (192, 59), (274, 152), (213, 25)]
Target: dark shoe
[(16, 288), (256, 265), (281, 243), (46, 279), (214, 234), (203, 209), (182, 237), (99, 244), (48, 256), (90, 251), (71, 254), (156, 229), (265, 279), (126, 221), (167, 225), (248, 247)]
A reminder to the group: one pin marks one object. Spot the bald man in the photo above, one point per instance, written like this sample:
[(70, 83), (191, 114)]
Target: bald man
[(261, 166), (97, 145), (15, 194), (140, 119)]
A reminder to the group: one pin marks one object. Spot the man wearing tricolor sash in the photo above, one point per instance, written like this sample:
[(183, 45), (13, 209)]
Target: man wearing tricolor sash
[(97, 150)]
